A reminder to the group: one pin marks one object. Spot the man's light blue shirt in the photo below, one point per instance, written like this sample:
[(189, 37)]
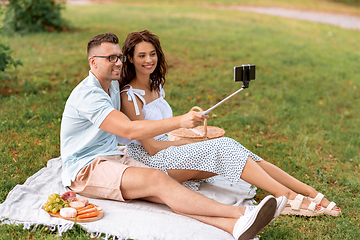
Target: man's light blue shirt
[(81, 139)]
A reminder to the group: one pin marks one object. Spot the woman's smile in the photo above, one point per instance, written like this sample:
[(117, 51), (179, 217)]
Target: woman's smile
[(148, 66)]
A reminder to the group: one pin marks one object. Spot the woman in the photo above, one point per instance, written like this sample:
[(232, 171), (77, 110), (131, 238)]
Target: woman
[(142, 97)]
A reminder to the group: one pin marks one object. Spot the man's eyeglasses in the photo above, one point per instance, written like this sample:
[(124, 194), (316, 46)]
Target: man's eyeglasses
[(114, 58)]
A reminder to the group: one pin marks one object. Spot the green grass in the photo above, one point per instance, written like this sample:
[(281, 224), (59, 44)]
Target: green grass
[(349, 7), (301, 112)]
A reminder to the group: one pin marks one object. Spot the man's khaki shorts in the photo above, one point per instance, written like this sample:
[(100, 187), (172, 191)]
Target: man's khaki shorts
[(102, 177)]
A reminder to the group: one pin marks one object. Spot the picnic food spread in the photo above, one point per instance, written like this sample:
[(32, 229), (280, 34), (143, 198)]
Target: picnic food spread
[(70, 207)]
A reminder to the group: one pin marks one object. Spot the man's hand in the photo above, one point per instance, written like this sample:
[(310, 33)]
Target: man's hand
[(192, 119)]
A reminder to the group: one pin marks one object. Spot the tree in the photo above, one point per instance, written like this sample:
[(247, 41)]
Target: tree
[(26, 16), (5, 54)]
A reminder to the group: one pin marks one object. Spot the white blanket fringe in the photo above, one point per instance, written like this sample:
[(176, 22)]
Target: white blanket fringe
[(33, 226), (135, 220), (64, 228)]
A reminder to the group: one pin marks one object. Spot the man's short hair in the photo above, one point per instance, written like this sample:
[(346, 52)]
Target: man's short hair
[(97, 40)]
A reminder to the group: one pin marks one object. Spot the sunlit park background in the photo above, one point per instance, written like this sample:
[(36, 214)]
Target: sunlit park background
[(300, 113)]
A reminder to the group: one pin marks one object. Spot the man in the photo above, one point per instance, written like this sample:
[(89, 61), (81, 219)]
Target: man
[(93, 167)]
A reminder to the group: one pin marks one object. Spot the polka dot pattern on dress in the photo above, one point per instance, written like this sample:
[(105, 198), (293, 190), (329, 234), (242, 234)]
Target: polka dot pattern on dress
[(223, 156)]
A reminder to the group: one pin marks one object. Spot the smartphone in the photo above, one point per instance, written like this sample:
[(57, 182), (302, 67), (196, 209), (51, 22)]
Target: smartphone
[(244, 73)]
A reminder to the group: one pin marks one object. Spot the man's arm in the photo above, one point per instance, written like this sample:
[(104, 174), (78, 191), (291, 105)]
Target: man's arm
[(151, 145), (119, 124)]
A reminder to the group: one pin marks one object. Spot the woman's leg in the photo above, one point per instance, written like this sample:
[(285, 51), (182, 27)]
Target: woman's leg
[(252, 173), (255, 175), (226, 157), (291, 182), (182, 175)]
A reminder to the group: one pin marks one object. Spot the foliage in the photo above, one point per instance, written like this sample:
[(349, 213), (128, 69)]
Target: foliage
[(5, 58), (26, 16)]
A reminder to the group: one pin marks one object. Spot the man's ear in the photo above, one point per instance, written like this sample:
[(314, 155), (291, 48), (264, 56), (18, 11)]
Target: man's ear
[(92, 62)]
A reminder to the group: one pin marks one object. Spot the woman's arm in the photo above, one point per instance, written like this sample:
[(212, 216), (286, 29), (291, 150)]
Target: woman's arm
[(151, 145)]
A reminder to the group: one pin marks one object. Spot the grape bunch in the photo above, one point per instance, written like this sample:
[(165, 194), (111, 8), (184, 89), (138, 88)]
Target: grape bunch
[(54, 203)]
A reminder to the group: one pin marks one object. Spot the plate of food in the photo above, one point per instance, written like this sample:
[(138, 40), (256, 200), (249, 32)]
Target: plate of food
[(70, 207)]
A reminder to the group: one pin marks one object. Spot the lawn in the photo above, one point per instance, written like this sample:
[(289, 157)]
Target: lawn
[(301, 113)]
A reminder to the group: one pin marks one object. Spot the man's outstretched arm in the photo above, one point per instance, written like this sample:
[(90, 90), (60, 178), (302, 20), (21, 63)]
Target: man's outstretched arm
[(119, 124)]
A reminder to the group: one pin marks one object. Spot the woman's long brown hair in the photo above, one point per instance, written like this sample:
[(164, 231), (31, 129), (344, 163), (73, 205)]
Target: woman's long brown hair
[(128, 69)]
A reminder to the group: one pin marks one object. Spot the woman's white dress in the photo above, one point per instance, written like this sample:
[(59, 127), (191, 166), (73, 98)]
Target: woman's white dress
[(223, 156)]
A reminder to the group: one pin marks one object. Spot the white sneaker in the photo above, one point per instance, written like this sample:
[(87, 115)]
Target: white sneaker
[(280, 205), (255, 220), (248, 209)]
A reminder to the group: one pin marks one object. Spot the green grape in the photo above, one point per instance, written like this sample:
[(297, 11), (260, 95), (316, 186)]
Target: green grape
[(54, 203)]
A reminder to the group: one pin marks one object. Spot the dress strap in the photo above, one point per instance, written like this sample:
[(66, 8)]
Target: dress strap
[(131, 92)]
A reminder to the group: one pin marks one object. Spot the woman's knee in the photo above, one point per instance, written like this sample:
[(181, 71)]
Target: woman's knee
[(261, 163), (227, 140)]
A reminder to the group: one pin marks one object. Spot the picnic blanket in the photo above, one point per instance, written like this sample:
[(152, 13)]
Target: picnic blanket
[(136, 219)]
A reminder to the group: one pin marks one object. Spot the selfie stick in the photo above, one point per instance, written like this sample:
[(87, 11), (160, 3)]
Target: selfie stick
[(245, 76), (225, 99)]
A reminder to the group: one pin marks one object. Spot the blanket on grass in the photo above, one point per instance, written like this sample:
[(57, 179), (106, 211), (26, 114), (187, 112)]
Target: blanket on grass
[(136, 219)]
